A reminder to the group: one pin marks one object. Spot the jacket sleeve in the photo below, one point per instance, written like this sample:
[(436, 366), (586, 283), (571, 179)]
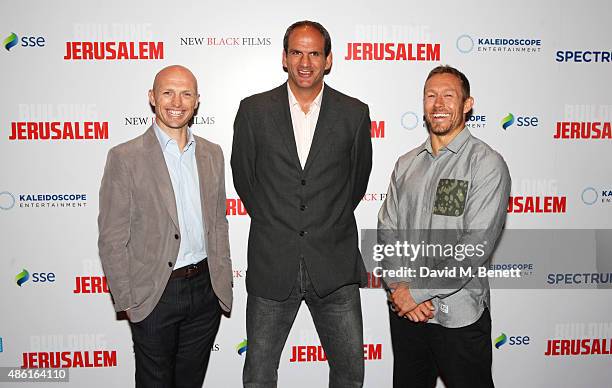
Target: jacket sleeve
[(114, 229), (243, 158), (361, 158), (222, 232)]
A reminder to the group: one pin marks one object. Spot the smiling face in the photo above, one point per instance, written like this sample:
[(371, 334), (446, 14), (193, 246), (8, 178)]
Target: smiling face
[(175, 98), (444, 104), (305, 60)]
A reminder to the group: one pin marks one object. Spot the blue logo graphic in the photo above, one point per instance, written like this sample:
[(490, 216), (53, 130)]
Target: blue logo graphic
[(1, 348), (499, 341), (7, 200), (465, 44), (242, 347), (22, 277), (10, 41), (410, 120), (507, 121), (589, 196)]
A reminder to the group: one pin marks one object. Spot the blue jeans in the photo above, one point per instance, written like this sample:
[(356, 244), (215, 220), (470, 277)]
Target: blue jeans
[(337, 318)]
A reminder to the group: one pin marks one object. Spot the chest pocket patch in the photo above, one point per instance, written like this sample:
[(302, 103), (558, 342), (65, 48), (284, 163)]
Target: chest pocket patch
[(450, 197)]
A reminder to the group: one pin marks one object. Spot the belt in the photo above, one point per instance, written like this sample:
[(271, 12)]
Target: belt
[(189, 271)]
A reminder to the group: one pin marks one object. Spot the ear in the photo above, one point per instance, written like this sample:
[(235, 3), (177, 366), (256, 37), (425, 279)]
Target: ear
[(151, 97), (197, 102), (284, 59), (328, 61), (468, 104)]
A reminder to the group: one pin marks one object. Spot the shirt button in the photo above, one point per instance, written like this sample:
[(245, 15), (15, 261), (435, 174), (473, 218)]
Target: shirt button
[(170, 264), (176, 236), (302, 207), (302, 233), (303, 182)]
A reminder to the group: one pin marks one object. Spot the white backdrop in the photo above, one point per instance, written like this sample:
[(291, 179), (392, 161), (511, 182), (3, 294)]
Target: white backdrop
[(510, 51)]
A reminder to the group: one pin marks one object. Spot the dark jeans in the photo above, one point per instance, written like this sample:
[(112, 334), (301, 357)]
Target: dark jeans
[(172, 344), (337, 318), (423, 351)]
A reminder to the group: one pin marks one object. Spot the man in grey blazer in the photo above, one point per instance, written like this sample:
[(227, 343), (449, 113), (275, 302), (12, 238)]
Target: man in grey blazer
[(301, 160), (164, 238)]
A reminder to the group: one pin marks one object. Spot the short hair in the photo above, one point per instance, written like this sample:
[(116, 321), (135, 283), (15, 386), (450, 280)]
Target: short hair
[(315, 25), (446, 69)]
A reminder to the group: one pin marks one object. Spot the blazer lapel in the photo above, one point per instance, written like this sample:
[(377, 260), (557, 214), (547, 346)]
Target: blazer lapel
[(208, 181), (325, 123), (282, 119), (160, 174)]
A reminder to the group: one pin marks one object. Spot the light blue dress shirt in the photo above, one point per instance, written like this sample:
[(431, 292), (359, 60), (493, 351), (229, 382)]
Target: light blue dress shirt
[(186, 186)]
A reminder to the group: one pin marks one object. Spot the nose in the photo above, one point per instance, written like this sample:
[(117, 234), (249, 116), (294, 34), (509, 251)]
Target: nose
[(439, 101), (176, 100), (305, 60)]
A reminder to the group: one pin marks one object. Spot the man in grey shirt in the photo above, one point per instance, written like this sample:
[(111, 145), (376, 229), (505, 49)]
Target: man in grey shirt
[(453, 189)]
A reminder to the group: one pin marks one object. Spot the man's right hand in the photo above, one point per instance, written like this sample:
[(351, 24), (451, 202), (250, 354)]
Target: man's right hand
[(422, 313)]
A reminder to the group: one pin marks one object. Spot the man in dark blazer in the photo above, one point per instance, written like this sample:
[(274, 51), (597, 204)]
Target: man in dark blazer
[(164, 238), (301, 160)]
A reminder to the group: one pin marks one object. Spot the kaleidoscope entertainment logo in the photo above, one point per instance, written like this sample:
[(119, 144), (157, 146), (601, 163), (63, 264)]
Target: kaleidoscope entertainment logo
[(7, 200), (465, 43), (410, 120), (589, 196), (601, 196)]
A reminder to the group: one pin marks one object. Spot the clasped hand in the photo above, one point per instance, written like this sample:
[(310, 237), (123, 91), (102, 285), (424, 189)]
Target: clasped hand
[(405, 306)]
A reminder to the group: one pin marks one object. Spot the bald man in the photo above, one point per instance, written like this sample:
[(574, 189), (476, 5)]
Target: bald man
[(163, 238)]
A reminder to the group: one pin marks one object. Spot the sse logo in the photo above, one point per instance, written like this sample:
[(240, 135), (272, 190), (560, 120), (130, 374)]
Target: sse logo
[(26, 41), (242, 347), (513, 340), (521, 121), (37, 277)]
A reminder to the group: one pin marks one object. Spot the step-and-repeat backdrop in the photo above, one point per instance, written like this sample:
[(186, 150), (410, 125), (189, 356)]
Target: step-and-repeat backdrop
[(75, 78)]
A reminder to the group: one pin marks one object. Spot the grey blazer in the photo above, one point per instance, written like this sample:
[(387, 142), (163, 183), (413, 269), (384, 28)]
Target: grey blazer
[(138, 224)]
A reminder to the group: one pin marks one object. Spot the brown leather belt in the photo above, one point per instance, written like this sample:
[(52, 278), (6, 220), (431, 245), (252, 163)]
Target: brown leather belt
[(189, 271)]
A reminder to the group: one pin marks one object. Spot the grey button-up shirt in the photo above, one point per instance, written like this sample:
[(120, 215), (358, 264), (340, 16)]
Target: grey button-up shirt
[(465, 188)]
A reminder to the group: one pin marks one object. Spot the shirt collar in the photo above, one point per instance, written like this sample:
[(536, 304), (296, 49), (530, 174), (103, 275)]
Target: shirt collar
[(293, 101), (164, 139), (454, 146)]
